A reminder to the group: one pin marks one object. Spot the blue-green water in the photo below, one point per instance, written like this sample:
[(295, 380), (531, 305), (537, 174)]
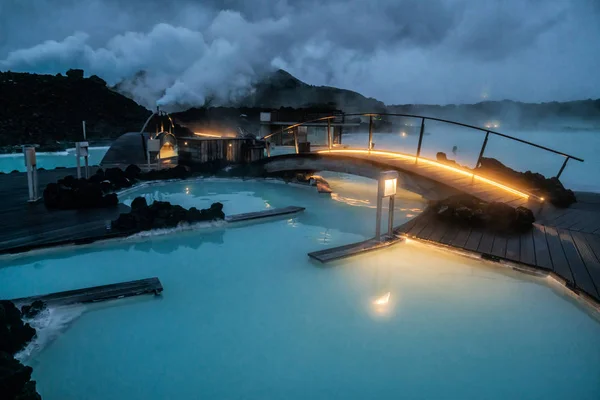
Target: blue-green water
[(10, 162), (246, 315)]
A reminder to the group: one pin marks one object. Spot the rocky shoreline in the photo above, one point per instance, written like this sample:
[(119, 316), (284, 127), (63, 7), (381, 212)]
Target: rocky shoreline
[(70, 193), (162, 214), (15, 378)]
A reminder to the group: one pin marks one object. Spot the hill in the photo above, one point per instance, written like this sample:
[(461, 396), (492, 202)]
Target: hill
[(281, 89), (46, 109)]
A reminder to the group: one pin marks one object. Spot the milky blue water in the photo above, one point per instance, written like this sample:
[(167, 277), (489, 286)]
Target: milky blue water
[(246, 315), (10, 162)]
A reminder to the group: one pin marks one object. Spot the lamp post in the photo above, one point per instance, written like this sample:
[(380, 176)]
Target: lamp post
[(388, 180)]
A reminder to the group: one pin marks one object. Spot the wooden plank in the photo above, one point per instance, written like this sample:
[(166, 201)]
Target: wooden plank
[(513, 247), (428, 230), (461, 238), (499, 246), (592, 263), (97, 293), (441, 228), (472, 242), (582, 278), (527, 248), (542, 252), (486, 243), (594, 242), (353, 249), (450, 234), (588, 225), (273, 212), (557, 253), (423, 221)]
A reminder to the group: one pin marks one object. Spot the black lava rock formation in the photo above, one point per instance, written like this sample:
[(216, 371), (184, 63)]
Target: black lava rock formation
[(465, 210), (162, 214)]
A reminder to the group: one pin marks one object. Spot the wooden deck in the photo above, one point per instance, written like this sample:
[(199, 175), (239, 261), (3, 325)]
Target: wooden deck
[(571, 254), (28, 225), (97, 293)]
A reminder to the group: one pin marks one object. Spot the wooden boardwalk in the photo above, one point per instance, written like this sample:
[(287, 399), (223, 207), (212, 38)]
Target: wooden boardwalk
[(273, 212), (571, 254), (349, 250), (97, 293)]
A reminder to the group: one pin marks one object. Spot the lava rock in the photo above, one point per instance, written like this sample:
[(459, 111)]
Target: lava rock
[(14, 334), (133, 172), (138, 204), (32, 310), (15, 380), (466, 210), (550, 188), (162, 214)]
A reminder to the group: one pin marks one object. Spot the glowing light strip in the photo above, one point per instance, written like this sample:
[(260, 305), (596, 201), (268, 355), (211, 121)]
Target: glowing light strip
[(206, 135), (434, 163)]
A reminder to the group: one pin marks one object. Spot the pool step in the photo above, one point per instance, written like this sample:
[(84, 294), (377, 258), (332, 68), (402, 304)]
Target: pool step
[(354, 249), (97, 293), (264, 214)]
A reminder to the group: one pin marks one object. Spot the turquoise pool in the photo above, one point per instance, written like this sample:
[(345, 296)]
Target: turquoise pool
[(245, 313), (10, 162)]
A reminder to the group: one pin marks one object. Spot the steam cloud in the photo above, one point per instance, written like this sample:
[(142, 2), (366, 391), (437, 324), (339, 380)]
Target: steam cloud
[(410, 51)]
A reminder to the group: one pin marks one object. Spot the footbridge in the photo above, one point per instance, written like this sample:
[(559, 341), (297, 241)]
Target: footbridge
[(429, 177)]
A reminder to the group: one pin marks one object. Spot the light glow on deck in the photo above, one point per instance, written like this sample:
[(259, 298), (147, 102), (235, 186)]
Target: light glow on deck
[(433, 163)]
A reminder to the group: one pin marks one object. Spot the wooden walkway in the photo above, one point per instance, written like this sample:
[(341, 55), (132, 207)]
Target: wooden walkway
[(97, 293), (350, 250), (571, 254), (29, 225), (274, 212)]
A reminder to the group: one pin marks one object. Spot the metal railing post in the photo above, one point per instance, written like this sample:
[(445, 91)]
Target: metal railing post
[(268, 145), (487, 135), (329, 135), (420, 140), (562, 168), (370, 132), (296, 140)]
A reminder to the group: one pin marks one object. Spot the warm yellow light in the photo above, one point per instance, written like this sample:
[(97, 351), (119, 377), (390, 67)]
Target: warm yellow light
[(206, 134), (403, 134), (430, 162), (383, 300), (185, 143), (390, 187), (229, 144), (542, 199)]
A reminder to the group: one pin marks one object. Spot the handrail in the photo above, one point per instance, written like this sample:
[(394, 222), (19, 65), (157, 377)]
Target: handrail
[(472, 127), (432, 119)]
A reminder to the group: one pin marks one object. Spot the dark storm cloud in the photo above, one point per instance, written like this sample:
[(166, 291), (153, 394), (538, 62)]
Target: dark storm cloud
[(400, 51)]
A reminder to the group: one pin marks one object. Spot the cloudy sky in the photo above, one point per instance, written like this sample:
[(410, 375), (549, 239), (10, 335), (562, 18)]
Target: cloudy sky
[(398, 51)]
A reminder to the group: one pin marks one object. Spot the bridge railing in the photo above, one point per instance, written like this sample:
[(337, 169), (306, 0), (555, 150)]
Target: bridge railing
[(421, 128)]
